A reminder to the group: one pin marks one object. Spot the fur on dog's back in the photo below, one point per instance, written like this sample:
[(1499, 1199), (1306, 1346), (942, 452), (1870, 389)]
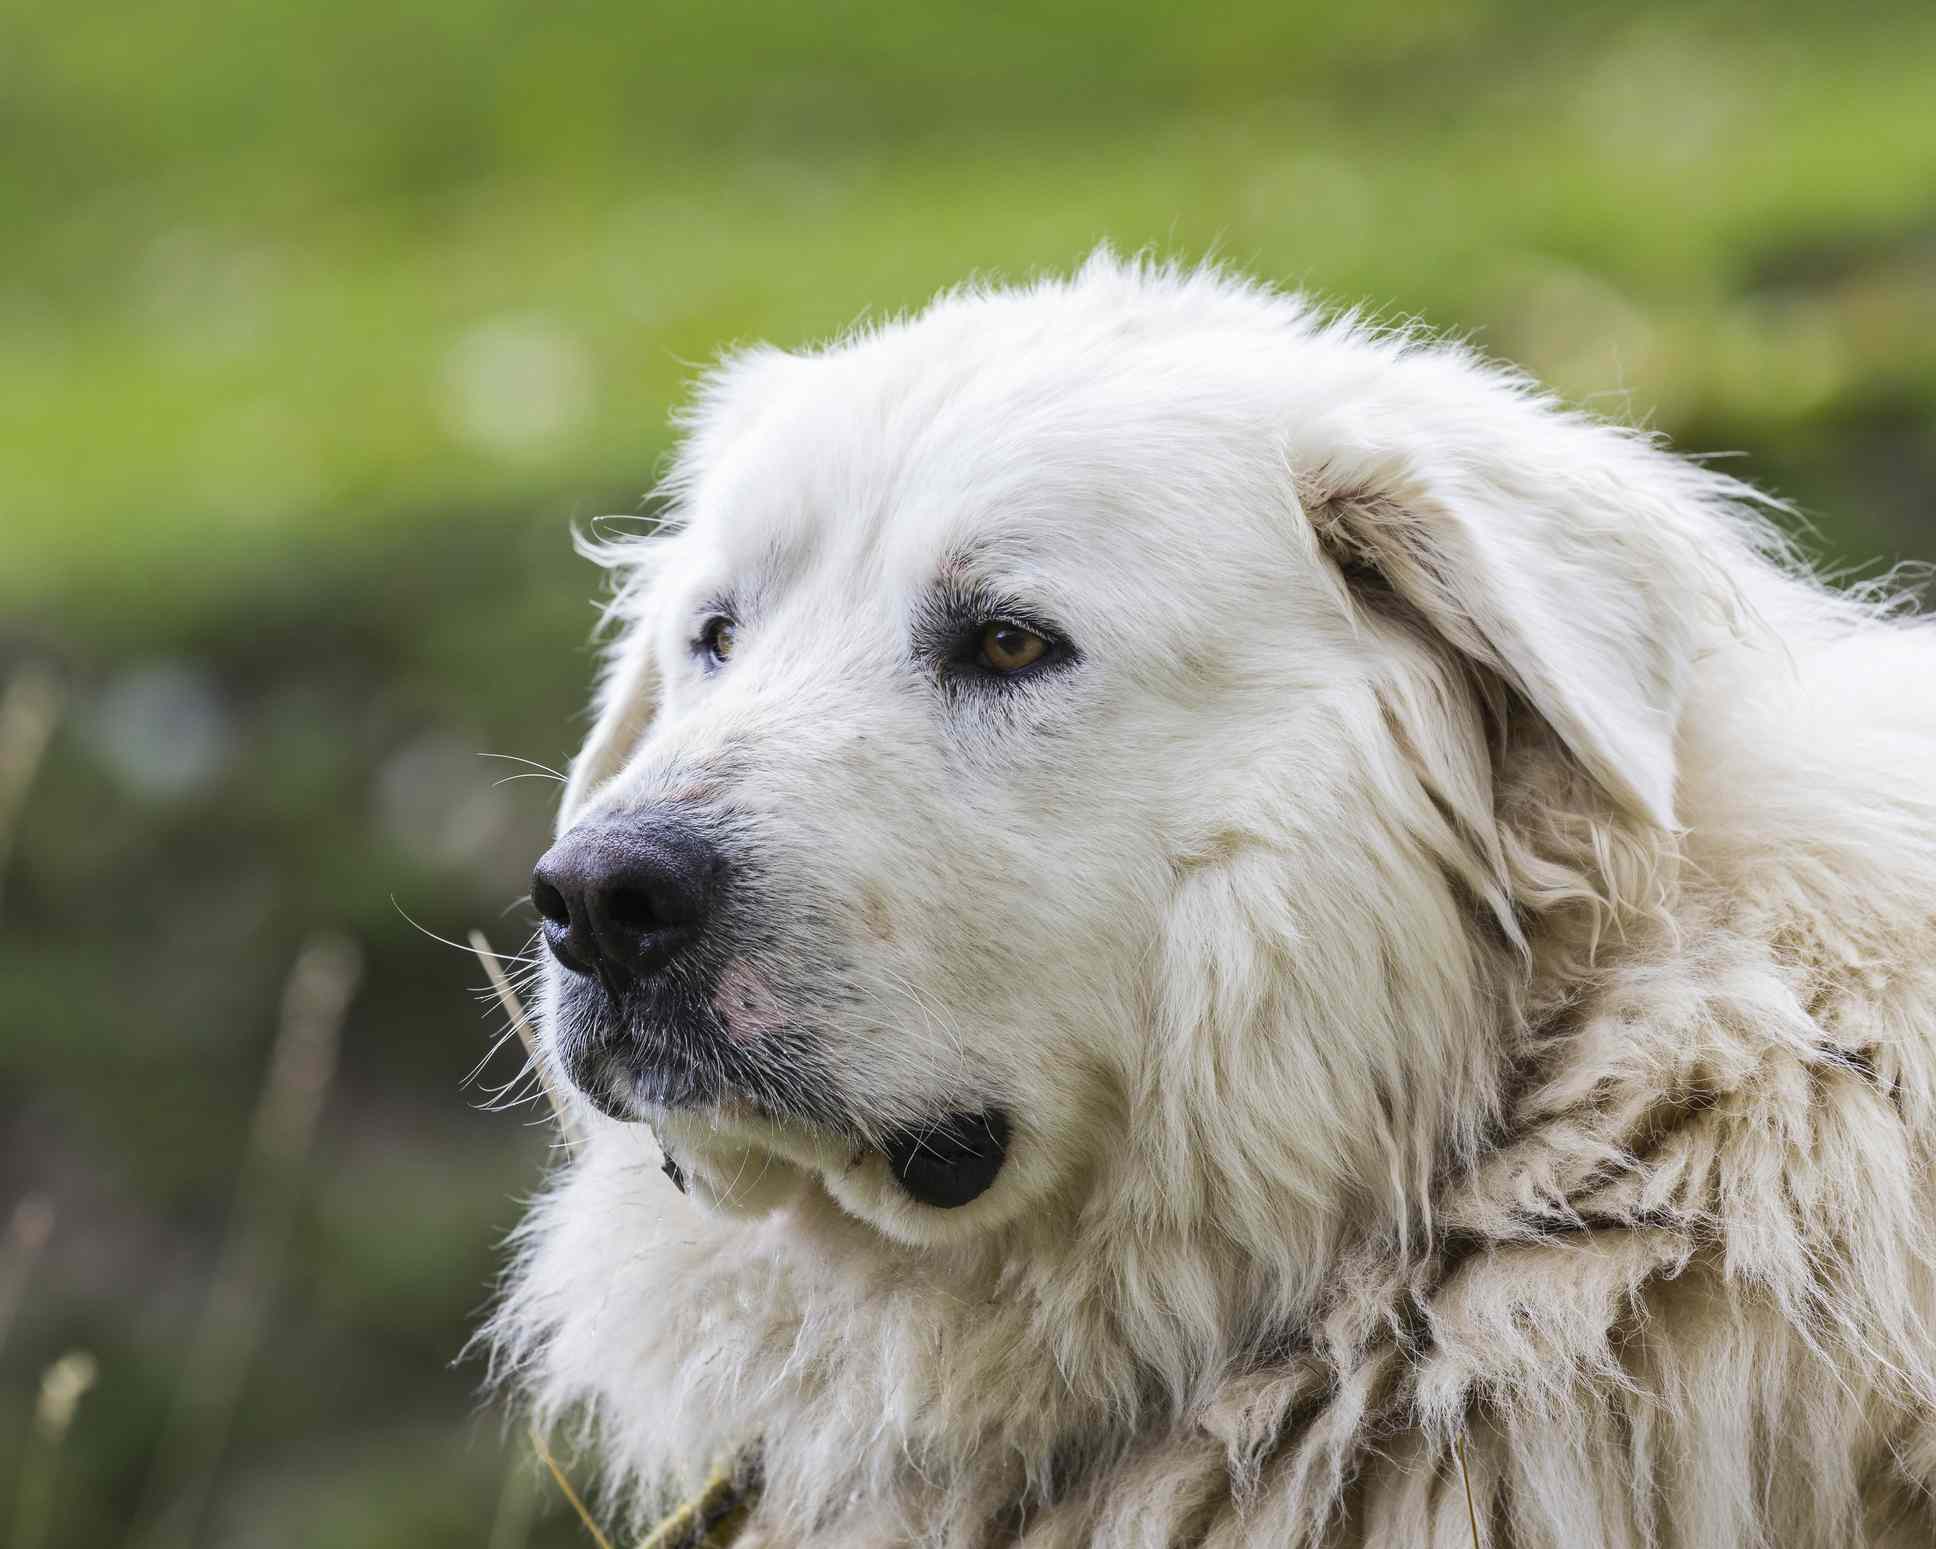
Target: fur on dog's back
[(1638, 1251)]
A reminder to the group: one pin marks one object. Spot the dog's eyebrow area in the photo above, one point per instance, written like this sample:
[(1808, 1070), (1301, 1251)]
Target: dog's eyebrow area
[(741, 588), (967, 595)]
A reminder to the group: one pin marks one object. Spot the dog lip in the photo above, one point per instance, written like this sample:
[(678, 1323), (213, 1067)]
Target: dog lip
[(952, 1162), (622, 1086), (609, 1089), (665, 1086)]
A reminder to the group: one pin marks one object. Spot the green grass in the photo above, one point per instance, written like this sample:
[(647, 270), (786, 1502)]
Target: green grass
[(262, 260)]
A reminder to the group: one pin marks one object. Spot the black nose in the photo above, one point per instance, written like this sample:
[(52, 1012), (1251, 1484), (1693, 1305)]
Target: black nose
[(621, 899)]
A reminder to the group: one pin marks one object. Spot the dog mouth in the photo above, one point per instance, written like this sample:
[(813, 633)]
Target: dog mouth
[(943, 1163), (659, 1048)]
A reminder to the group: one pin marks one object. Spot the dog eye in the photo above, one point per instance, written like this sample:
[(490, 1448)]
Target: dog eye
[(718, 638), (1009, 647)]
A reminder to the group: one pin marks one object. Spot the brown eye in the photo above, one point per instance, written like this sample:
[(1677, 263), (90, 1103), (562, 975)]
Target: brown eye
[(1010, 648), (719, 638)]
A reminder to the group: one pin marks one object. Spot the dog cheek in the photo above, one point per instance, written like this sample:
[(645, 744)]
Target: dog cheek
[(746, 1005), (877, 916)]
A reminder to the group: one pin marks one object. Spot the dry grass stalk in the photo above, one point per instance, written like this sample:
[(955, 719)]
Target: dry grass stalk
[(712, 1519), (507, 996), (28, 712), (1471, 1516), (28, 1229), (564, 1484), (301, 1069), (62, 1387)]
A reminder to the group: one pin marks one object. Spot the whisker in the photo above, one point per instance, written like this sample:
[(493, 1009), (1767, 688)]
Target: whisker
[(521, 1025), (442, 940), (544, 770), (489, 1054), (524, 1087)]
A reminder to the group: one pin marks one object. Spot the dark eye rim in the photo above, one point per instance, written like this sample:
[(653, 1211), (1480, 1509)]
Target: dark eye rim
[(705, 644)]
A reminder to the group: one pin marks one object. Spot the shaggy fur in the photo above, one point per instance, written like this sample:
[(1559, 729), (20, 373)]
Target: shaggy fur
[(1459, 949)]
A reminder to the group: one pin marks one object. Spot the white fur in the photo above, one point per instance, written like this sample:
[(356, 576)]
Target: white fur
[(1460, 952)]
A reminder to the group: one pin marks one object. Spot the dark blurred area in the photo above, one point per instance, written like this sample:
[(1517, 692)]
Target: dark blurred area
[(320, 328)]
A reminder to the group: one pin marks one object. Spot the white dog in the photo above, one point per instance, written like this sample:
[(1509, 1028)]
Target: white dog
[(1235, 926)]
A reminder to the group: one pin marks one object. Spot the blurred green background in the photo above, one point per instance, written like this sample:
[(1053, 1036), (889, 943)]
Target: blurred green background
[(320, 326)]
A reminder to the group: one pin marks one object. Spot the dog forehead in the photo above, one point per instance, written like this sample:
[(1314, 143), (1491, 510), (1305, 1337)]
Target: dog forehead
[(991, 435)]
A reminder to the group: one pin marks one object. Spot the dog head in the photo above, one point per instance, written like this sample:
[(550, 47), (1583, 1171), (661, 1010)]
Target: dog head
[(1063, 748)]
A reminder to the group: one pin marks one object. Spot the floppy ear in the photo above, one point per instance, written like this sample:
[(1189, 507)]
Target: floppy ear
[(628, 698), (1564, 556)]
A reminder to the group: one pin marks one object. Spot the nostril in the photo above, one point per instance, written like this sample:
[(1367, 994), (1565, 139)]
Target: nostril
[(550, 903), (633, 909)]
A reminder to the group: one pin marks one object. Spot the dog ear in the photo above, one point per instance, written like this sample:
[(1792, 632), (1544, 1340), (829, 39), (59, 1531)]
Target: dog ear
[(1561, 555), (628, 698)]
